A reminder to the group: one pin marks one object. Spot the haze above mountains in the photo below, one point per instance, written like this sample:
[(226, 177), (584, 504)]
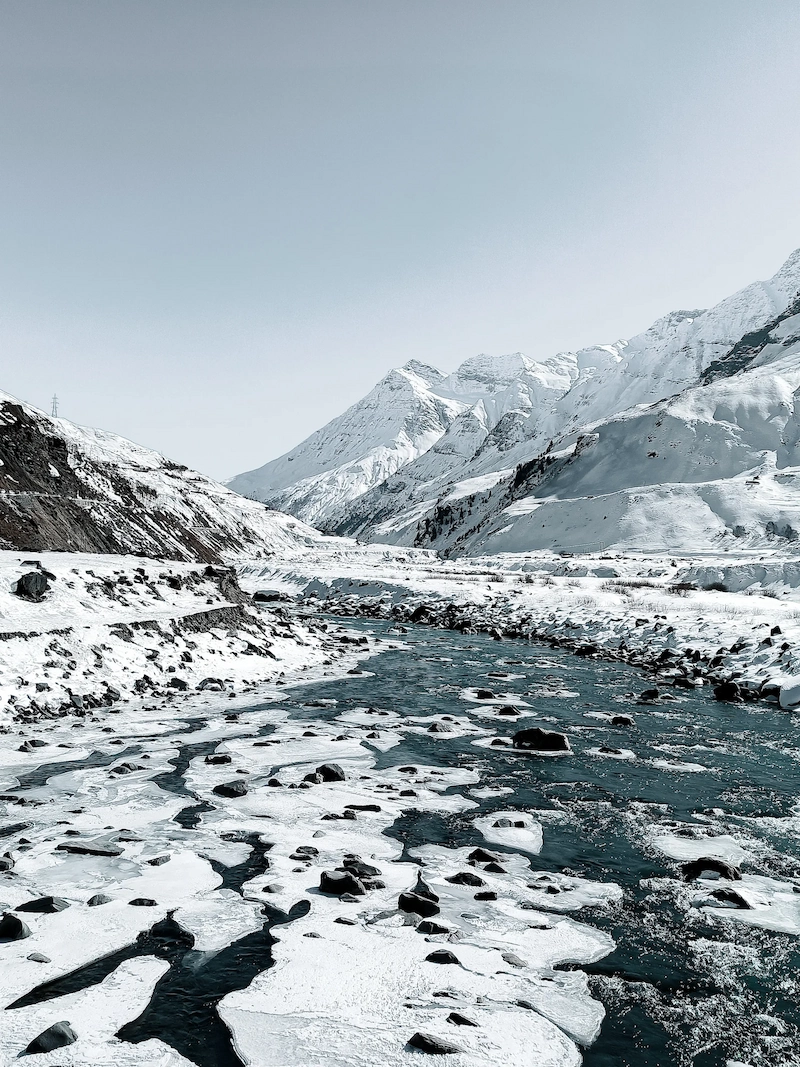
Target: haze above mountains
[(682, 437)]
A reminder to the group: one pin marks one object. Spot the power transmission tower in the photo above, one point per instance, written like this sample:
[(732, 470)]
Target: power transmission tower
[(54, 411)]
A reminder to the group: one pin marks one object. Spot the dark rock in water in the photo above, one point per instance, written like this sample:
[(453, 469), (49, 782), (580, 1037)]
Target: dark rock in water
[(623, 720), (337, 883), (480, 855), (538, 740), (126, 768), (728, 692), (349, 898), (419, 905), (12, 928), (362, 807), (649, 695), (442, 955), (32, 586), (407, 793), (217, 758), (486, 894), (344, 921), (729, 897), (484, 694), (502, 824), (422, 889), (514, 959), (178, 683), (310, 850), (457, 1019), (157, 861), (465, 878), (607, 750), (39, 957), (313, 778), (431, 928), (699, 868), (216, 685), (6, 863), (231, 789), (97, 900), (89, 848), (44, 905), (59, 1035), (143, 902), (435, 1046), (360, 869), (440, 728), (498, 742), (507, 709), (494, 868), (31, 744), (331, 772), (407, 770)]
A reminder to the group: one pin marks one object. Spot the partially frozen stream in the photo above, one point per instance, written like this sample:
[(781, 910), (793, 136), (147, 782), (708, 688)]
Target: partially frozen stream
[(694, 978)]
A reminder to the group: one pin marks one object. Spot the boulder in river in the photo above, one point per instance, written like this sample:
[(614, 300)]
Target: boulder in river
[(97, 900), (728, 692), (59, 1035), (709, 865), (44, 905), (457, 1019), (538, 740), (465, 878), (442, 955), (418, 905), (337, 883), (231, 789)]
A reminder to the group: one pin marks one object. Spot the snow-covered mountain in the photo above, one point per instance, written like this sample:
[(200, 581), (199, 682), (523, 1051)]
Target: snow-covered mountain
[(556, 437), (70, 488)]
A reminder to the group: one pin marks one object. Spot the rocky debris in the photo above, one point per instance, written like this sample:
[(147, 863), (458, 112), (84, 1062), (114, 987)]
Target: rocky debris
[(338, 883), (417, 904), (33, 585), (331, 772), (89, 848), (443, 956), (231, 789), (59, 1035), (12, 928), (465, 878), (457, 1019), (435, 1046), (707, 866), (44, 905), (98, 899), (538, 740)]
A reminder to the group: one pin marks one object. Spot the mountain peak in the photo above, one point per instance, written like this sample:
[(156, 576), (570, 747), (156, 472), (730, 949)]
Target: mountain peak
[(430, 375)]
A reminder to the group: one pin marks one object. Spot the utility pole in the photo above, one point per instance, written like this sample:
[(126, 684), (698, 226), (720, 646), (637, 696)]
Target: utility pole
[(54, 411)]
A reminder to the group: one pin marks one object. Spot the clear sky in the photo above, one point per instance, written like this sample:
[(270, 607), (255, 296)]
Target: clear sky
[(222, 222)]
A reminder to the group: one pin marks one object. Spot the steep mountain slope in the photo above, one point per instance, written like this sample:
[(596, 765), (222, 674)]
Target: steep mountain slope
[(678, 352), (408, 412), (69, 488)]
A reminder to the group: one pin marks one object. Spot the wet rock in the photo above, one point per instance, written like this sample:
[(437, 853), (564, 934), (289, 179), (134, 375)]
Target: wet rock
[(484, 694), (649, 695), (486, 894), (143, 902), (157, 861), (231, 789), (362, 807), (97, 900), (422, 889), (126, 768), (408, 770), (623, 720), (442, 955), (178, 683), (730, 898), (514, 960), (344, 921), (331, 772), (431, 928), (39, 957), (538, 740), (274, 887), (32, 586), (708, 865), (465, 878), (216, 685), (89, 848), (337, 883), (434, 1046), (457, 1019), (494, 868), (218, 758), (416, 904), (44, 905), (728, 692), (607, 750), (12, 928), (59, 1035), (481, 855)]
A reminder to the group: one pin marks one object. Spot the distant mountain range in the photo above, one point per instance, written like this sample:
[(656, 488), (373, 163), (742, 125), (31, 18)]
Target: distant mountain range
[(682, 438)]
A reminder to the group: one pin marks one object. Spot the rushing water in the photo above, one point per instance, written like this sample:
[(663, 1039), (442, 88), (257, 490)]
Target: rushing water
[(684, 986)]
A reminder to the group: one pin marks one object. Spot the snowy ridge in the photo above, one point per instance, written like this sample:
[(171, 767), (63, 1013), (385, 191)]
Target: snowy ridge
[(679, 438), (71, 488)]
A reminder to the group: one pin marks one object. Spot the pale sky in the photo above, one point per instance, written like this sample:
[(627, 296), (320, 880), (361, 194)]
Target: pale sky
[(222, 222)]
